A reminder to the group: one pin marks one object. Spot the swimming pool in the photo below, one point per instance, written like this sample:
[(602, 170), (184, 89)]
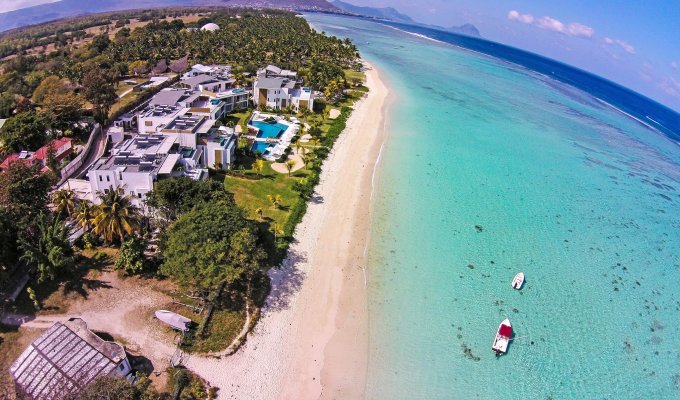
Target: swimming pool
[(261, 147), (268, 130)]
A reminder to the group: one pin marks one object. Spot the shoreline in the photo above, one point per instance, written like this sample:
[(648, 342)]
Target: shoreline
[(312, 339)]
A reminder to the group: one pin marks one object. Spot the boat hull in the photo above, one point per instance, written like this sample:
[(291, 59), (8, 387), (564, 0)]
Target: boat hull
[(502, 339)]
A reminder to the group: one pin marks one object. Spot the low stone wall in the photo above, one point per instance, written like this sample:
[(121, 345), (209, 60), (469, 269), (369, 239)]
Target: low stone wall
[(78, 161)]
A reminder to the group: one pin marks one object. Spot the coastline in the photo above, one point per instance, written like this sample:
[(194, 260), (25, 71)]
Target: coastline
[(312, 339)]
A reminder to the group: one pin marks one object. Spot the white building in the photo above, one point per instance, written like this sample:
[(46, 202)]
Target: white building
[(279, 89), (217, 83), (272, 71), (210, 27), (219, 71), (137, 163), (65, 359), (170, 104), (219, 147)]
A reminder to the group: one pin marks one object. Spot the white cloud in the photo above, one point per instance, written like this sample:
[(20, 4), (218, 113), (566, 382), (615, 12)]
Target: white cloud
[(670, 86), (674, 65), (552, 24), (576, 29), (625, 46), (523, 18)]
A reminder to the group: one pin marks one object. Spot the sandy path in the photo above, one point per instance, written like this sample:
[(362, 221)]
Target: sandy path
[(312, 339)]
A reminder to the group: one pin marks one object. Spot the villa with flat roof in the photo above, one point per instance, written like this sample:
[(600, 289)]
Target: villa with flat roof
[(280, 89), (64, 360), (216, 70), (218, 147), (272, 71), (169, 104), (135, 164), (217, 85)]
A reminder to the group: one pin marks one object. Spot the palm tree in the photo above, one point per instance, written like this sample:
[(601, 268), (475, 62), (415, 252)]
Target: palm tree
[(275, 200), (289, 166), (84, 214), (259, 166), (116, 216), (50, 251), (64, 201), (298, 146), (276, 229)]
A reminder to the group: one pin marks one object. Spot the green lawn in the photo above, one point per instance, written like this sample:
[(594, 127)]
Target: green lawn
[(251, 192)]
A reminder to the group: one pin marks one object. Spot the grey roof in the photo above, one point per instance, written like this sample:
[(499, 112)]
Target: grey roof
[(275, 83), (167, 97), (197, 80), (273, 68), (64, 359), (142, 153)]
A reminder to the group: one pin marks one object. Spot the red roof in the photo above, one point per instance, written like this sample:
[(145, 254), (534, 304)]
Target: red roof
[(505, 330), (59, 146)]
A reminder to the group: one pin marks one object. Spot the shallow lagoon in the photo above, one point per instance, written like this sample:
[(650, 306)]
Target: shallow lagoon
[(491, 169)]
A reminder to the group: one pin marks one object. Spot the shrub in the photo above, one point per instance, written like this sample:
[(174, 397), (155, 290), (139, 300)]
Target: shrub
[(131, 256)]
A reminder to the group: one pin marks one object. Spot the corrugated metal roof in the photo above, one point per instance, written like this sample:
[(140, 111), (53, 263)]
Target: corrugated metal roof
[(64, 360)]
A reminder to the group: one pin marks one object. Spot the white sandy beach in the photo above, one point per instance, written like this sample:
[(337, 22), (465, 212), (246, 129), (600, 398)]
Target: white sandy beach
[(312, 339)]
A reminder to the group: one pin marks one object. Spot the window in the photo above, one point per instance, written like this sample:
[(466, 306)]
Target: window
[(139, 195), (148, 123), (121, 366), (108, 178), (101, 178)]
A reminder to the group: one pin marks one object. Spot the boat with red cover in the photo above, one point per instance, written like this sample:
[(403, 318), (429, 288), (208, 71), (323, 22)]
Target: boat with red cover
[(500, 344)]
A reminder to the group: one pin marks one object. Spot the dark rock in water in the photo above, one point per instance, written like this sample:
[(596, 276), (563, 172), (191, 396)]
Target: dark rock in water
[(515, 310), (468, 353), (656, 340), (479, 228), (628, 345), (471, 266), (656, 325)]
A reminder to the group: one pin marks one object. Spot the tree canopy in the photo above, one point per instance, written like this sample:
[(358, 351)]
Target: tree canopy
[(175, 196), (211, 245)]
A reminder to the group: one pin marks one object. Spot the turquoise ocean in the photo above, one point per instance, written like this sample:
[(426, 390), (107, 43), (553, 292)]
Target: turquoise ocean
[(490, 169)]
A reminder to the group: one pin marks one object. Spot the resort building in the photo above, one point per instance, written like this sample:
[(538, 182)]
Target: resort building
[(219, 71), (64, 360), (280, 89), (169, 104), (272, 71), (207, 83), (135, 164), (217, 83), (219, 147), (127, 122)]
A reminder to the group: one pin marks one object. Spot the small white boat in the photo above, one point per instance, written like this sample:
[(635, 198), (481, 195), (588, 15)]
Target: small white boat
[(518, 281), (502, 340), (174, 320)]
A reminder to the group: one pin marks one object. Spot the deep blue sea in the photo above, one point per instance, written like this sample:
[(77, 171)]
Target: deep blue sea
[(499, 161)]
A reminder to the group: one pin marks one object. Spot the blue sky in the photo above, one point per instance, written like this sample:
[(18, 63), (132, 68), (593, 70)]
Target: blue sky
[(10, 5), (634, 43)]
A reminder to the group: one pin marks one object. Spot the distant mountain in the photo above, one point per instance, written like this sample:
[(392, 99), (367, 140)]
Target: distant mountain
[(70, 8), (467, 29), (374, 12)]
